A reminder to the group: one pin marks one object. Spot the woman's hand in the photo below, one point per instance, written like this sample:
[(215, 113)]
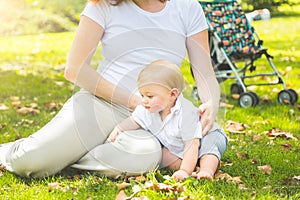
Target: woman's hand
[(207, 113)]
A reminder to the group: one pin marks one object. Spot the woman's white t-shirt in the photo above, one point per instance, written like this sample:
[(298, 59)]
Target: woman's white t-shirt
[(134, 38)]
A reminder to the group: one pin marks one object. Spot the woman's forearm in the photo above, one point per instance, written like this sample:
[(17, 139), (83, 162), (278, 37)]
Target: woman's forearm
[(207, 85), (90, 80)]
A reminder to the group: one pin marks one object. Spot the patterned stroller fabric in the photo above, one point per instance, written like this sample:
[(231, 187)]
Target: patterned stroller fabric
[(234, 49), (228, 20)]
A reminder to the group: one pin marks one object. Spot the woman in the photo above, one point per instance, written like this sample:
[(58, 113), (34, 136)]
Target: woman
[(133, 33)]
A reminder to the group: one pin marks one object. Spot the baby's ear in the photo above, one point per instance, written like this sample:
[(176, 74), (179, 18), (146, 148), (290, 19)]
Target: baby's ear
[(174, 93)]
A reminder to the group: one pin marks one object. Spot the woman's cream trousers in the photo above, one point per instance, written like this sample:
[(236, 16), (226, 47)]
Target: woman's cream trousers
[(76, 137)]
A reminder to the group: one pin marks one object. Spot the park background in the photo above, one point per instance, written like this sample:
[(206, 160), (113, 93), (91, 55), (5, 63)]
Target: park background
[(263, 158)]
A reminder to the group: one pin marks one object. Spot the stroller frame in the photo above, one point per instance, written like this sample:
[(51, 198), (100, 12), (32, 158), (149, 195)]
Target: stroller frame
[(232, 40)]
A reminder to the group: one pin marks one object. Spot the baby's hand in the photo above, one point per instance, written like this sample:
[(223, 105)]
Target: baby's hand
[(180, 175), (114, 134)]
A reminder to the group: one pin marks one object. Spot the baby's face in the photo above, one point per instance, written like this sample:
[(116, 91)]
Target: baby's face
[(155, 98)]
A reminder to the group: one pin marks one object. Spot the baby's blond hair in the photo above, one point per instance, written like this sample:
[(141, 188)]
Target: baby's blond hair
[(163, 73)]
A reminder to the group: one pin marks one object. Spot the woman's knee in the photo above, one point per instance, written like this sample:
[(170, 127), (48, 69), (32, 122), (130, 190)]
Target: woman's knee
[(139, 141)]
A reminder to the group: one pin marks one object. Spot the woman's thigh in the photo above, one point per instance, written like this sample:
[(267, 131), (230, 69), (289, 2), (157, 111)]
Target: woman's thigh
[(83, 123)]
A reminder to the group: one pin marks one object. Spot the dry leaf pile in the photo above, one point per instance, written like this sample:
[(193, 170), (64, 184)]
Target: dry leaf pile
[(141, 184), (237, 127), (29, 108)]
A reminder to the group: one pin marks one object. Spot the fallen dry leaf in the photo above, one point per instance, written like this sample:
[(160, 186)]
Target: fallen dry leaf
[(265, 168), (254, 161), (53, 186), (140, 179), (78, 176), (252, 87), (265, 98), (235, 96), (89, 197), (286, 147), (16, 104), (52, 105), (34, 105), (236, 179), (256, 137), (226, 105), (123, 185), (121, 195), (290, 181), (225, 164), (163, 187), (224, 176), (136, 188), (275, 132), (235, 127), (243, 187), (14, 98), (184, 198), (140, 198), (2, 167), (3, 107), (60, 83), (242, 156), (74, 191), (297, 178), (26, 110)]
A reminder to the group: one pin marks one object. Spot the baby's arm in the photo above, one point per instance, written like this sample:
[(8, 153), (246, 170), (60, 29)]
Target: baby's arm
[(189, 160), (126, 125)]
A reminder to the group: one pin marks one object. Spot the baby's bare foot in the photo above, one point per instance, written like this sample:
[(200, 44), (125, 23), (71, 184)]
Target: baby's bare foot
[(203, 174)]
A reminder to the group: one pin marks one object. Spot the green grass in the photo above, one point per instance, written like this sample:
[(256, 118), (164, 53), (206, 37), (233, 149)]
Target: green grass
[(31, 68)]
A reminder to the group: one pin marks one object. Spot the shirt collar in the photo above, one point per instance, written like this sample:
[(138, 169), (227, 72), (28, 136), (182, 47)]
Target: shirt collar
[(177, 105)]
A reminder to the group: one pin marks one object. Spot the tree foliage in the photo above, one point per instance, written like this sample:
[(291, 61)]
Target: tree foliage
[(269, 4)]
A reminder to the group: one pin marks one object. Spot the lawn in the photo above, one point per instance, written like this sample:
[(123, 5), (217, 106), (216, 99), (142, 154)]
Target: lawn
[(262, 161)]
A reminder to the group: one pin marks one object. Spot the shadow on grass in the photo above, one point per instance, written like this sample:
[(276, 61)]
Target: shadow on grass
[(33, 86), (31, 91)]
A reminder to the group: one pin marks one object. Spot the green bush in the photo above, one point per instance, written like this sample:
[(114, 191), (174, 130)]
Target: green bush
[(272, 5), (67, 8), (37, 16)]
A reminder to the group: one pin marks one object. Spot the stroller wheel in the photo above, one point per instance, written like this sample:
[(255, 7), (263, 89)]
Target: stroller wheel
[(236, 89), (294, 96), (247, 100), (256, 98), (286, 97)]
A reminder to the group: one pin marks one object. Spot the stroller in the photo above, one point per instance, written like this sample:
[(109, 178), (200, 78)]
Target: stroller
[(233, 41)]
